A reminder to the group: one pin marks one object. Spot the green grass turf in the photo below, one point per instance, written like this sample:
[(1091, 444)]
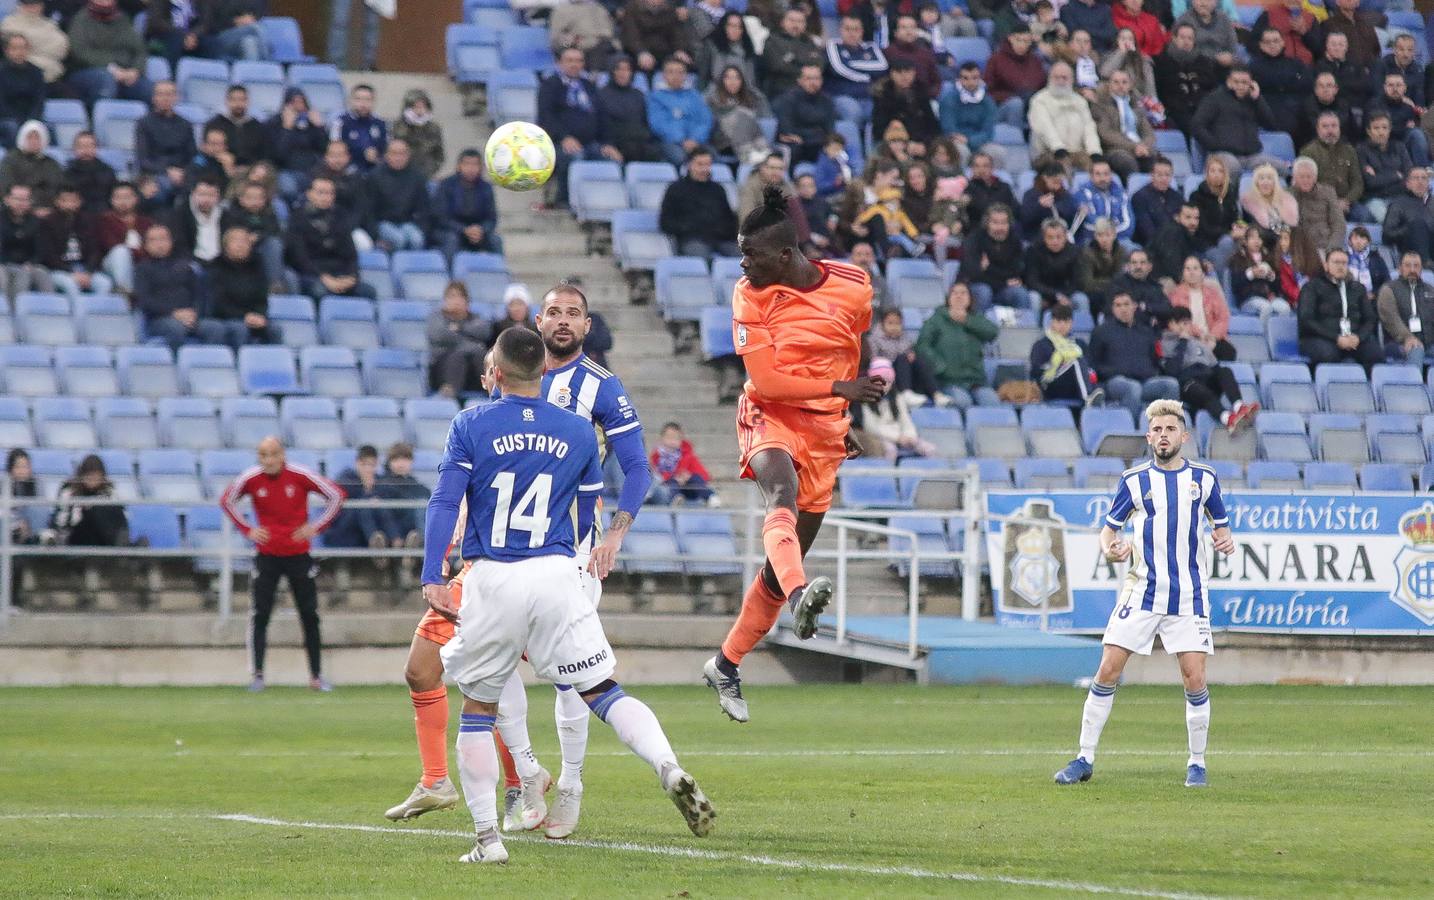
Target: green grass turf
[(1315, 792)]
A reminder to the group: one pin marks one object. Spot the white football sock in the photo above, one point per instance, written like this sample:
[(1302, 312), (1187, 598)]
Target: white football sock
[(1197, 723), (637, 727), (1097, 709), (571, 714), (478, 770), (513, 725)]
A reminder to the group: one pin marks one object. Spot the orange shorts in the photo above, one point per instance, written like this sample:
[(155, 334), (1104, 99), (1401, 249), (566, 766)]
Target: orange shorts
[(433, 626), (815, 441)]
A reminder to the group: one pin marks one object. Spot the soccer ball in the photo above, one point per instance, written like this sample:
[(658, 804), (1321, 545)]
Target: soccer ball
[(520, 156)]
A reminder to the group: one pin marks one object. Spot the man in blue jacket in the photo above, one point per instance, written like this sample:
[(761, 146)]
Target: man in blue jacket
[(365, 133), (968, 113), (677, 114), (466, 209)]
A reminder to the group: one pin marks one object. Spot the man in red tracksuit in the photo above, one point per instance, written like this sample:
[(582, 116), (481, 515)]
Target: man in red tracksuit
[(280, 493)]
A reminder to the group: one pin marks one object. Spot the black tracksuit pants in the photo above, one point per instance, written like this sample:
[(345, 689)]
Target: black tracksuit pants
[(300, 571)]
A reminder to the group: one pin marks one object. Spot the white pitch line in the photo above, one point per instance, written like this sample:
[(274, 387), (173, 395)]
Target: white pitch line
[(916, 752)]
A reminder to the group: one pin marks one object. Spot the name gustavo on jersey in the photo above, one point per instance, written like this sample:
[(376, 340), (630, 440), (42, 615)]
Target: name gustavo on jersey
[(527, 441)]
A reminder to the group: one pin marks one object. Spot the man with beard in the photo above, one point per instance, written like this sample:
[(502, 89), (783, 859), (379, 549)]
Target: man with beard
[(1183, 77)]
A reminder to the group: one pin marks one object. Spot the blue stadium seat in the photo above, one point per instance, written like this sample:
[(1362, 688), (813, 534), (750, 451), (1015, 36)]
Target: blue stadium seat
[(1274, 475), (994, 432), (1386, 477), (348, 322), (203, 81), (859, 491), (196, 115), (126, 423), (426, 421), (208, 371), (217, 468), (930, 534), (15, 430), (341, 458), (708, 545), (472, 53), (636, 240), (321, 84), (372, 420), (267, 370), (248, 420), (490, 18), (311, 423), (1098, 421), (1327, 475), (203, 531), (855, 151), (114, 122), (1283, 339), (420, 274), (1287, 387), (284, 40), (1247, 336), (915, 284), (1394, 438), (596, 189), (684, 287), (1343, 388), (1338, 437), (1042, 474), (1015, 342), (86, 371), (147, 371), (44, 319), (1050, 432), (1400, 389), (157, 525), (28, 371), (647, 183), (265, 82), (170, 476), (484, 274), (294, 315), (190, 423), (993, 473), (390, 372), (725, 272), (64, 423), (105, 319), (1100, 473), (1230, 473), (512, 97), (1282, 437), (1278, 144), (525, 47), (714, 331), (652, 535), (969, 49), (66, 119), (425, 467), (330, 372)]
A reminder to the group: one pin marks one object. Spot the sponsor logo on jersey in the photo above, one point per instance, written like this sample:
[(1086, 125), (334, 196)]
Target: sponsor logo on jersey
[(741, 335), (528, 415)]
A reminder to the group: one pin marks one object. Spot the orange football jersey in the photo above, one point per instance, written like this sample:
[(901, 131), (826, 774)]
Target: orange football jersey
[(817, 333)]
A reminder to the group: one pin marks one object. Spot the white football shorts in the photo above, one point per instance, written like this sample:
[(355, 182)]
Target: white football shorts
[(1135, 629)]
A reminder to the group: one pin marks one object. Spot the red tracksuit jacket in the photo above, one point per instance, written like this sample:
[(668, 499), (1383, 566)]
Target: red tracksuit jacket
[(281, 504)]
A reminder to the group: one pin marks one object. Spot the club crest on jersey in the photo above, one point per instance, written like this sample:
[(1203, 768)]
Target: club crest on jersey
[(528, 415), (1414, 564), (1194, 490), (564, 397), (288, 490), (741, 335)]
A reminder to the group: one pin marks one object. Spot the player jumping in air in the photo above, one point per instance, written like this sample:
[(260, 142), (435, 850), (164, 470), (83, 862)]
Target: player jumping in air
[(798, 325), (1165, 591), (522, 464), (575, 383)]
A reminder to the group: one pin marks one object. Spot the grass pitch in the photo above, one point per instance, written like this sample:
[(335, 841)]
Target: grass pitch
[(836, 791)]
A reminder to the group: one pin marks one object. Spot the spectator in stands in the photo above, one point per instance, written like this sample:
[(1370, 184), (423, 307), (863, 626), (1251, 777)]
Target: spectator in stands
[(1403, 58), (1267, 203), (1139, 281), (229, 30), (951, 346), (119, 235), (29, 165), (196, 223), (67, 248), (22, 87), (517, 312), (1103, 197), (170, 29), (1284, 82), (1214, 35), (1409, 224), (1092, 17), (47, 45), (1013, 75), (253, 212), (404, 527), (352, 200), (677, 115), (681, 477), (1150, 37), (457, 342), (360, 527), (164, 140), (1122, 126), (1296, 23), (728, 46), (695, 213), (624, 110), (1183, 76), (1155, 204), (20, 245), (1255, 278), (773, 170), (1365, 264), (968, 111), (1123, 351), (22, 484), (1384, 163), (788, 50), (993, 264), (1337, 319), (89, 174), (1083, 60), (107, 56), (885, 427), (820, 218), (1051, 264), (319, 247), (103, 525), (569, 112), (1058, 362), (1337, 164), (1404, 119), (863, 255), (854, 63), (1046, 199), (1298, 262), (1320, 217), (243, 134), (1326, 98), (985, 190), (586, 25), (295, 138), (239, 292), (424, 136), (1230, 118), (1101, 261), (1346, 19), (1203, 381), (400, 213), (911, 375), (908, 45), (805, 116), (1404, 305), (213, 162), (466, 209), (652, 31), (1061, 125), (365, 133), (1221, 222), (898, 98), (1352, 76), (166, 293), (1209, 312), (736, 109)]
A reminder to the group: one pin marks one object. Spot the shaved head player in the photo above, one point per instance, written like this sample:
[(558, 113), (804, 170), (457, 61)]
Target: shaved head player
[(798, 325)]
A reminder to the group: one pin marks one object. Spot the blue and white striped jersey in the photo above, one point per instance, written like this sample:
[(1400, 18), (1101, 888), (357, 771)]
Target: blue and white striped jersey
[(1167, 508), (586, 388)]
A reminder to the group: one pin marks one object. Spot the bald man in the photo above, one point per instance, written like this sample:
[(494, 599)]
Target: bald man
[(280, 494)]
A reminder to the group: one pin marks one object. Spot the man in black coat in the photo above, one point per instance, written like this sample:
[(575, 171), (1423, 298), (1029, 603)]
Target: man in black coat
[(1123, 353), (295, 138), (985, 190), (695, 213), (1409, 224), (399, 210), (164, 140), (568, 110), (1157, 204), (1229, 120), (22, 89), (1177, 240), (1336, 318), (90, 175), (805, 116), (1284, 81), (1051, 264), (1137, 281), (239, 292), (992, 262), (896, 98), (1183, 77), (319, 246), (244, 134)]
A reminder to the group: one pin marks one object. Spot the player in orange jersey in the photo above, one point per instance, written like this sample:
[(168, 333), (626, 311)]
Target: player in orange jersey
[(798, 325)]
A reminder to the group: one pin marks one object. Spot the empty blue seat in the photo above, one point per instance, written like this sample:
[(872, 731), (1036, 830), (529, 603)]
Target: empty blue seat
[(1042, 474), (636, 240), (915, 284), (647, 183), (295, 318), (44, 319), (1282, 437), (267, 370), (1282, 334), (1325, 475), (15, 430), (202, 81), (1339, 438), (284, 40), (248, 420), (105, 320), (218, 468), (994, 432), (391, 372), (349, 322), (67, 118), (114, 123), (1343, 388), (311, 423), (931, 543), (512, 97), (265, 82), (596, 189), (1099, 421), (1278, 144), (653, 544), (86, 371), (207, 370), (402, 324), (684, 288), (1286, 387), (924, 417), (1400, 389), (1394, 438), (372, 420), (420, 274), (204, 529), (1385, 477), (190, 422), (170, 476), (330, 371), (868, 491), (63, 423), (472, 52), (147, 371), (1098, 472), (321, 84), (708, 545), (525, 47), (126, 423), (484, 274), (725, 272), (426, 421), (1050, 431), (1274, 475), (969, 49), (714, 331), (374, 272), (157, 525)]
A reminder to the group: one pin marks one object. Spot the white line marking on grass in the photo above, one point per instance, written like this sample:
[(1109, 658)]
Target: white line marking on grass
[(750, 859), (867, 752)]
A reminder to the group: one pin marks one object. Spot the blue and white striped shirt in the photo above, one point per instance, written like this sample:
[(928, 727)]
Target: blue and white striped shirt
[(1167, 509)]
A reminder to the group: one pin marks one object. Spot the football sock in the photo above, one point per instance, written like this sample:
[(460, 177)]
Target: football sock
[(430, 721), (478, 769), (1197, 723), (784, 551), (513, 725), (510, 772), (636, 726), (1097, 709), (760, 609), (571, 714)]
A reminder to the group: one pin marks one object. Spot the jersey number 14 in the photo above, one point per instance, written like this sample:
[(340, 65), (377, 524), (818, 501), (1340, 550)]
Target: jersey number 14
[(531, 513)]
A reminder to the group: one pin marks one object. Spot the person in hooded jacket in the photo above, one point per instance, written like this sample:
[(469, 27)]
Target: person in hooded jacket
[(417, 126), (28, 164), (296, 139)]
